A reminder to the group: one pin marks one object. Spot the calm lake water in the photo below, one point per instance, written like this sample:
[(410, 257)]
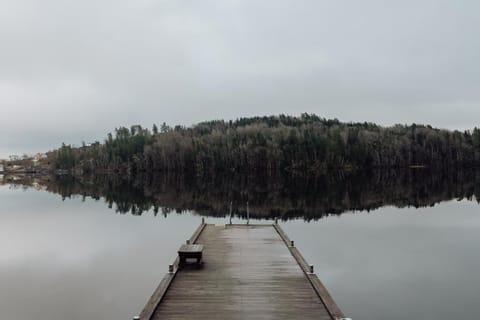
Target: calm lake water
[(77, 258)]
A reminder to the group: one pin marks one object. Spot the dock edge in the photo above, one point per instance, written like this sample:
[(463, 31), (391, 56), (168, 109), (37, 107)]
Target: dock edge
[(317, 285)]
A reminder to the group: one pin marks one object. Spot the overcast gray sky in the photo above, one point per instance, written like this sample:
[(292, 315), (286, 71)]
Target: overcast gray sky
[(74, 70)]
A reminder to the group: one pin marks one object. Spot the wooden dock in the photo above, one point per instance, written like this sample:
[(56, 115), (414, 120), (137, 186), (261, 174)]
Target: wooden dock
[(248, 272)]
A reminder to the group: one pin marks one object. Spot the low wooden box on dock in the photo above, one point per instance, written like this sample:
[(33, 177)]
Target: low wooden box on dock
[(190, 251)]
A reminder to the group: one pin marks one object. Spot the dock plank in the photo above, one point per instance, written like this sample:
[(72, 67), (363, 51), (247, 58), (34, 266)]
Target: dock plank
[(248, 273)]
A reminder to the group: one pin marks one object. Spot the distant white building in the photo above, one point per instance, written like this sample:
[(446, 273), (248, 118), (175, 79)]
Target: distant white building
[(39, 156)]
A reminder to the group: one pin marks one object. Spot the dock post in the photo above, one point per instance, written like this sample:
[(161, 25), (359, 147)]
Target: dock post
[(248, 214), (170, 268), (276, 220), (230, 212), (311, 268), (292, 244), (187, 242), (203, 220)]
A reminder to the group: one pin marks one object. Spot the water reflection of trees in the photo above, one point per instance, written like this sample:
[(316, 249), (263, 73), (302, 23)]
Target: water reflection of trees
[(282, 197)]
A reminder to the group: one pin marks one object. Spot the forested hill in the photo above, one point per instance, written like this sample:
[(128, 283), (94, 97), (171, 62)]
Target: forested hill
[(271, 145)]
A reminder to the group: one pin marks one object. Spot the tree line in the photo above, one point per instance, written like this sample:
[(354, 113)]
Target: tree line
[(270, 145)]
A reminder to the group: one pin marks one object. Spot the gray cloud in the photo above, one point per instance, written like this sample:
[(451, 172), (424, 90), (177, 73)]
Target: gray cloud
[(72, 71)]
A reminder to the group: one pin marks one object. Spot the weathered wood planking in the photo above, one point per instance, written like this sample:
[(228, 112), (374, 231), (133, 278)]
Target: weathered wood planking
[(322, 292), (162, 288), (248, 273)]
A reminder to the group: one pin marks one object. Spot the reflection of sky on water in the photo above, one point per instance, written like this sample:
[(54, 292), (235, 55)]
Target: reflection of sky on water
[(80, 260), (398, 263), (74, 260)]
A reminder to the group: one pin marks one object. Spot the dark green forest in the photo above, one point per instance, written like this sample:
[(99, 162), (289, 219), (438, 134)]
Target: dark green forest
[(270, 145)]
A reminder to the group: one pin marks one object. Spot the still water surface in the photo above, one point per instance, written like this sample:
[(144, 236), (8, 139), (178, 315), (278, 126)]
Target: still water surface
[(74, 259)]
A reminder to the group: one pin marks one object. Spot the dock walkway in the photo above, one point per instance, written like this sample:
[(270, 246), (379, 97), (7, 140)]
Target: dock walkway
[(249, 272)]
